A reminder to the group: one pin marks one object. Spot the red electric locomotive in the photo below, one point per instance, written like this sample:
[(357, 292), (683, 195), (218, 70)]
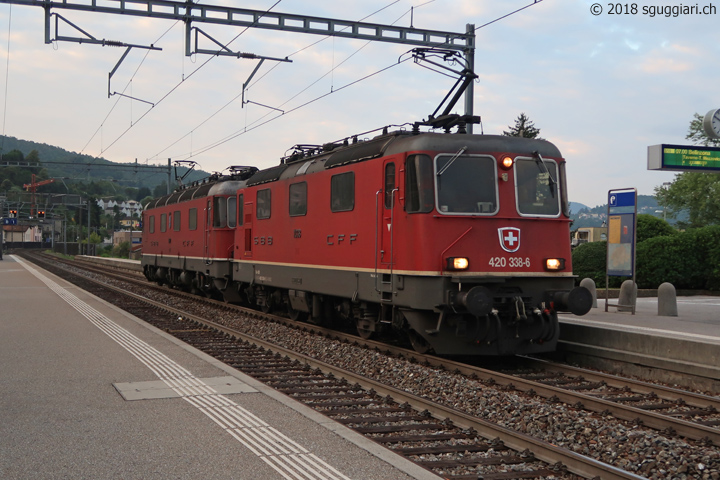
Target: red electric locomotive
[(461, 241)]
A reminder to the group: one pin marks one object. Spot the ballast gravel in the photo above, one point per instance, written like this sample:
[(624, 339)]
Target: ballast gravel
[(625, 445)]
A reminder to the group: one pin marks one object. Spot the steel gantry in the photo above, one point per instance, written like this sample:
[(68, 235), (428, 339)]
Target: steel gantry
[(191, 13)]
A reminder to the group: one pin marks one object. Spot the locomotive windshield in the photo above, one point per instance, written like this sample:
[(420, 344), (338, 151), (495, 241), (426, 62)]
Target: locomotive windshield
[(466, 184), (537, 187)]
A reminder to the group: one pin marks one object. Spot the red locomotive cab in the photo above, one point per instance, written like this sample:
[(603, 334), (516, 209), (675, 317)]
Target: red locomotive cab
[(494, 226), (221, 221), (495, 213)]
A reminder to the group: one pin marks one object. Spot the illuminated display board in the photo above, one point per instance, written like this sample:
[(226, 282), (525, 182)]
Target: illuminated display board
[(683, 158)]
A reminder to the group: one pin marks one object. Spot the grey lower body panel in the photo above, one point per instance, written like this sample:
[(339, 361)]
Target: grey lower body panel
[(519, 321)]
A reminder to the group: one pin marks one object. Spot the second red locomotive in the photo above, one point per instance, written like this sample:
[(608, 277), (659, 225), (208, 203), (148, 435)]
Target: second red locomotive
[(459, 241)]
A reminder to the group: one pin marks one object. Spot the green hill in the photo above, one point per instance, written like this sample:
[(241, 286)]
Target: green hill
[(76, 173)]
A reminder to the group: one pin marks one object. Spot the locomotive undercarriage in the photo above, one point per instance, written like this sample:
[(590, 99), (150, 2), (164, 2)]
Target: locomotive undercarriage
[(437, 314)]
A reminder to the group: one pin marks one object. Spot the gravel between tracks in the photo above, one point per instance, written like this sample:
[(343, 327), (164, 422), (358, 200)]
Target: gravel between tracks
[(622, 444)]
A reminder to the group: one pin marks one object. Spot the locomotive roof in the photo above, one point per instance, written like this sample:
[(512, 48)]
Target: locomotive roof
[(474, 143), (199, 190), (387, 144)]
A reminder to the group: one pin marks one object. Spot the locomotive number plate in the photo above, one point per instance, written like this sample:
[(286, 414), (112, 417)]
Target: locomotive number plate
[(513, 262)]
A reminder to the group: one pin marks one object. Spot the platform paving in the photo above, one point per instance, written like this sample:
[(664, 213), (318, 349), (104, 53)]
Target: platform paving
[(88, 391)]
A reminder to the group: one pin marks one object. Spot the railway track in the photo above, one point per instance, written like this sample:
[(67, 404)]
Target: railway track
[(673, 411), (398, 426)]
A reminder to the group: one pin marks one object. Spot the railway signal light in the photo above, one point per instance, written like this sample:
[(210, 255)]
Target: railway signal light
[(41, 213), (13, 214)]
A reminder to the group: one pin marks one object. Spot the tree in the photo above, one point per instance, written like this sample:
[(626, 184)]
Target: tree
[(697, 193), (523, 128), (696, 133), (146, 200), (160, 190), (13, 156), (95, 238), (33, 156), (121, 250), (142, 193), (649, 226), (117, 216)]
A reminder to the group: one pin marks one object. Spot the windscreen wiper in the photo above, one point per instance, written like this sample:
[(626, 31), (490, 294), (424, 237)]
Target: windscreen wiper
[(450, 162), (541, 164)]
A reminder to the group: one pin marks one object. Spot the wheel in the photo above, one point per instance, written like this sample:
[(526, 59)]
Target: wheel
[(363, 331), (296, 315), (418, 343)]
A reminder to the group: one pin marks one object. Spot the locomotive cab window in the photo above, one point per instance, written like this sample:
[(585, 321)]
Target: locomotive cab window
[(419, 193), (151, 224), (192, 219), (389, 185), (466, 184), (232, 212), (342, 192), (263, 204), (163, 222), (537, 188), (298, 199), (240, 202), (220, 212), (176, 220)]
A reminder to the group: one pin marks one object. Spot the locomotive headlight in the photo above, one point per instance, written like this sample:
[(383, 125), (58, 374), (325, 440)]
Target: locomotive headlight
[(457, 263), (506, 163), (554, 264)]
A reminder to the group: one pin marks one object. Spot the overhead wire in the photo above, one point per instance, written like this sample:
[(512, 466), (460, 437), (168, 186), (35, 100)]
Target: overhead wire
[(261, 77), (535, 2), (184, 79), (261, 121), (127, 85), (239, 133), (255, 124)]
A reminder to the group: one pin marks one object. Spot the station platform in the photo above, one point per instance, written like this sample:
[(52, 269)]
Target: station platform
[(684, 349), (89, 391)]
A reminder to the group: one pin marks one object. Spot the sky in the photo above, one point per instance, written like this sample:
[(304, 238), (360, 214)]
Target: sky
[(599, 83)]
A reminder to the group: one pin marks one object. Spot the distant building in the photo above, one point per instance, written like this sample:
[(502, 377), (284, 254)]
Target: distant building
[(22, 233), (130, 223), (134, 237), (589, 234), (128, 208)]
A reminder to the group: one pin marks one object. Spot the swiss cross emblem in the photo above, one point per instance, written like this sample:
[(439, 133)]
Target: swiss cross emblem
[(509, 238)]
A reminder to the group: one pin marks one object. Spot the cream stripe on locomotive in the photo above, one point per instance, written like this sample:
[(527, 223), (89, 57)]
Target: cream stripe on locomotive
[(418, 273)]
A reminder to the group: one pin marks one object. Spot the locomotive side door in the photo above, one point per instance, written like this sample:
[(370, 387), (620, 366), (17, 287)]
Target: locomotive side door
[(387, 203), (247, 227), (208, 230)]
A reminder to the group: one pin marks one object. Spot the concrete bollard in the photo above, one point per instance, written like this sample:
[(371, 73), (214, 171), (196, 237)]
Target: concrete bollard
[(589, 283), (628, 296), (667, 300)]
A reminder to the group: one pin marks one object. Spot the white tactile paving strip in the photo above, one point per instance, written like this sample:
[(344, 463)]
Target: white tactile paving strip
[(288, 458), (159, 389)]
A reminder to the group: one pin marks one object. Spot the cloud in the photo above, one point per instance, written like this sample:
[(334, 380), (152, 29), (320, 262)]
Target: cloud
[(602, 88)]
